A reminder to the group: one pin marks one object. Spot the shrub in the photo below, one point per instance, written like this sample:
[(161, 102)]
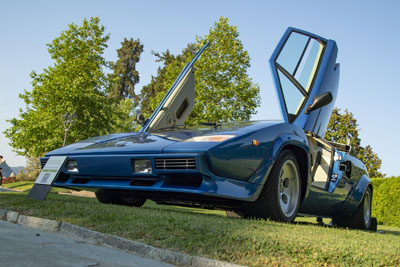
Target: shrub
[(386, 200)]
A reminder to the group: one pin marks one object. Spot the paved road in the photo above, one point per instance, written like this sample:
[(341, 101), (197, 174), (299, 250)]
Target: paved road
[(24, 246)]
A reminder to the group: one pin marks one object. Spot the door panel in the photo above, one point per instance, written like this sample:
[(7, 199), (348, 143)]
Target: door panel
[(178, 102), (304, 65), (178, 106)]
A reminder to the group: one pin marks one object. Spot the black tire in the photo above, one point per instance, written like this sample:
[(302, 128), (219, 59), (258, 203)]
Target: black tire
[(373, 226), (280, 197), (361, 217), (118, 198)]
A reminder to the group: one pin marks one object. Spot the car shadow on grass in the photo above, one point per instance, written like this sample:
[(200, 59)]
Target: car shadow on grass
[(382, 230)]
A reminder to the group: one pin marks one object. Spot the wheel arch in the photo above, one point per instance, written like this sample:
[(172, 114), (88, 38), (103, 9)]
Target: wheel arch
[(303, 164), (296, 143), (358, 193)]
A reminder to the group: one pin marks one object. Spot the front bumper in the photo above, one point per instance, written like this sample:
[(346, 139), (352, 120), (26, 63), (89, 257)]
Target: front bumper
[(196, 184)]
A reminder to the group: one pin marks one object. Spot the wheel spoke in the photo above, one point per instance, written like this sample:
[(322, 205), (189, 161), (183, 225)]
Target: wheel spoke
[(367, 207), (288, 188), (285, 202)]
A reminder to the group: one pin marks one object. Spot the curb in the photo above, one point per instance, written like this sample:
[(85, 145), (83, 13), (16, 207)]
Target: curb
[(158, 254)]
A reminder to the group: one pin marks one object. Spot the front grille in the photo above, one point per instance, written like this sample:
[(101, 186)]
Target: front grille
[(175, 163)]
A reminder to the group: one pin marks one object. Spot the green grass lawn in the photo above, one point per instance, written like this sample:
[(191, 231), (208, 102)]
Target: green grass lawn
[(211, 234), (20, 186), (26, 186)]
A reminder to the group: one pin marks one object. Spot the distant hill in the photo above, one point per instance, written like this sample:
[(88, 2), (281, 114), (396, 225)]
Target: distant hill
[(16, 169)]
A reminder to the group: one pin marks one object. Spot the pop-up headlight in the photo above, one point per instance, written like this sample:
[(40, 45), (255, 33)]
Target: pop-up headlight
[(142, 166), (72, 166)]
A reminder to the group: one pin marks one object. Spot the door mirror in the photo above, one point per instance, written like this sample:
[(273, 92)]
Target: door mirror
[(319, 101), (139, 118)]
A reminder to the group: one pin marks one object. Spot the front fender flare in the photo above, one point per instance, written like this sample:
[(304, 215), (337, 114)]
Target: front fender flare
[(279, 144)]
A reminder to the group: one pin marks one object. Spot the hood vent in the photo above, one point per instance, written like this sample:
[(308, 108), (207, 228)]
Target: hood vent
[(175, 163)]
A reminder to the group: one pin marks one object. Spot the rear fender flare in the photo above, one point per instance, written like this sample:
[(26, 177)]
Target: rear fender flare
[(357, 193)]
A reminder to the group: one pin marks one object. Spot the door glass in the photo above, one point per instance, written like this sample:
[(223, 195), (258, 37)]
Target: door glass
[(297, 64), (291, 52), (308, 64), (293, 97)]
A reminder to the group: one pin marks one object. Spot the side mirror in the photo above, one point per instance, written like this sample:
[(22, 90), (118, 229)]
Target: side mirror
[(139, 118), (319, 101)]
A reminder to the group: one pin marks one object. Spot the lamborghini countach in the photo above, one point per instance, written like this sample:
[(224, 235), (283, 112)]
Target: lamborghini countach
[(276, 169)]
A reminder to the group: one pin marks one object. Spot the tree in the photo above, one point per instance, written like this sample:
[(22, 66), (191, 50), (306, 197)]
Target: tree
[(122, 85), (32, 170), (124, 116), (153, 93), (371, 160), (125, 73), (75, 84), (343, 127), (224, 91)]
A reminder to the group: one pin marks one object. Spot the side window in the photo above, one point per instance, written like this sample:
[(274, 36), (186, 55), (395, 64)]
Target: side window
[(297, 65)]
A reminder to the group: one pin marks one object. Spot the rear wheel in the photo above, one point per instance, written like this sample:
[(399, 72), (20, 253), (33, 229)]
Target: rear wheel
[(279, 200), (118, 198), (361, 217)]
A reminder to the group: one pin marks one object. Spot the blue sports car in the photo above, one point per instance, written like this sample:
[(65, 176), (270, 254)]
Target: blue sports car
[(261, 169)]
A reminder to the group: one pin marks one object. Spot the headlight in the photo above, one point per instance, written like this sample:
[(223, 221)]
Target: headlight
[(210, 138), (72, 166), (142, 166)]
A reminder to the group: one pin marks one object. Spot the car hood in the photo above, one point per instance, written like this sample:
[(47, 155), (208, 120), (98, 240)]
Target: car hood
[(158, 141)]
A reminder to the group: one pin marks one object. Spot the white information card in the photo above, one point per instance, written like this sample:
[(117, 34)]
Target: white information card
[(51, 170)]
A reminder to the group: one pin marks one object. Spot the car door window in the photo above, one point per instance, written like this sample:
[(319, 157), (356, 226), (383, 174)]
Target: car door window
[(297, 64), (293, 97)]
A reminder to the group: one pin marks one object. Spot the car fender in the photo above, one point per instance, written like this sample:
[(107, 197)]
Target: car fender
[(283, 141), (357, 194)]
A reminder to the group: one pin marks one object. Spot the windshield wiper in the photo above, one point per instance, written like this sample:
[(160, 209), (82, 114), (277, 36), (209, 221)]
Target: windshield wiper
[(172, 127), (212, 124)]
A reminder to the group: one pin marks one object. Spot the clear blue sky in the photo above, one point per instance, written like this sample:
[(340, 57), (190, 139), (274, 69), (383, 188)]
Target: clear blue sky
[(367, 33)]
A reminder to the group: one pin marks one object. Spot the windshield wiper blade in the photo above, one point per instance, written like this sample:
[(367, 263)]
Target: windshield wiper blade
[(172, 127), (212, 124)]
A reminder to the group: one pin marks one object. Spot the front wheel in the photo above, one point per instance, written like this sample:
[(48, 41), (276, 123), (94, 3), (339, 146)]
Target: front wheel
[(118, 198), (279, 200)]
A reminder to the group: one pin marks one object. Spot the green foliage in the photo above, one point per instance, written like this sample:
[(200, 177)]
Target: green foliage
[(125, 75), (153, 93), (76, 83), (344, 126), (224, 92), (32, 170), (124, 117), (371, 160), (386, 202)]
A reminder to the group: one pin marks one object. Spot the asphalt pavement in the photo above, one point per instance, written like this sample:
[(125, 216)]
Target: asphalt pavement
[(25, 246)]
